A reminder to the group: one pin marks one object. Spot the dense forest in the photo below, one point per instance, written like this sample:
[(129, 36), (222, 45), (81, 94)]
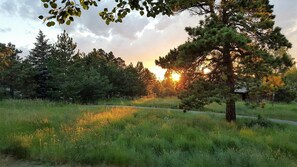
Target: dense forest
[(60, 72)]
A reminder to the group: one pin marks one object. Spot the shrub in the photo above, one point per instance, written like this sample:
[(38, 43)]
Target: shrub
[(285, 95), (2, 93), (260, 122)]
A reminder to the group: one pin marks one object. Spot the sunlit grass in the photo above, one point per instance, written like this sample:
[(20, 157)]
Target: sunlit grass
[(166, 102), (278, 110), (103, 118), (88, 135)]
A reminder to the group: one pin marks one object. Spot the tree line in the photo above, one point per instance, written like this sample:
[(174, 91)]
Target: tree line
[(59, 72)]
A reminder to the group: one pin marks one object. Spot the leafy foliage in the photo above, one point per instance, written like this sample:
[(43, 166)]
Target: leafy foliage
[(9, 69), (288, 92), (199, 94), (65, 10), (260, 122)]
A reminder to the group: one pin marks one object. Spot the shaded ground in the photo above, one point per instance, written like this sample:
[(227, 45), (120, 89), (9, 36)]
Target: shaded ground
[(8, 161)]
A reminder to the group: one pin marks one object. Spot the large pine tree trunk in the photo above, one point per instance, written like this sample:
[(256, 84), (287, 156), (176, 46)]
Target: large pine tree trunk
[(230, 82), (230, 110), (230, 102)]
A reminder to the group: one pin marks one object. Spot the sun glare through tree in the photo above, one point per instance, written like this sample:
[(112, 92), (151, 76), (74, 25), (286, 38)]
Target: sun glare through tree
[(175, 77)]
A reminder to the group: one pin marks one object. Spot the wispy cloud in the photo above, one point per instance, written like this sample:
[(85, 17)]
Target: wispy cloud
[(136, 39), (5, 30)]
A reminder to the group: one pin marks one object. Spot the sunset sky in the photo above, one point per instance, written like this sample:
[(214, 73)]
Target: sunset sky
[(136, 39)]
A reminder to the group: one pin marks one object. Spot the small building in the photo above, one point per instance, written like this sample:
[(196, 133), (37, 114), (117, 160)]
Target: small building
[(243, 92)]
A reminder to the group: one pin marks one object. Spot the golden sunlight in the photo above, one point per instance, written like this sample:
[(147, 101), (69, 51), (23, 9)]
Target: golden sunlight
[(158, 71), (175, 76), (206, 70)]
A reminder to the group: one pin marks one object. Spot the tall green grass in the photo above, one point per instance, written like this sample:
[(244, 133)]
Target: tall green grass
[(166, 102), (286, 111), (56, 134), (278, 110)]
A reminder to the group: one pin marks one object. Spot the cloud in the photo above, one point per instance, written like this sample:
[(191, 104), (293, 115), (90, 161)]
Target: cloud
[(8, 7), (164, 22), (5, 30), (285, 12), (136, 39), (26, 9), (131, 25)]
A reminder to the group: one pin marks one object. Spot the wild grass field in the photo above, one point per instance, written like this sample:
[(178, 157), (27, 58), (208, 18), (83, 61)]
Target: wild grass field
[(45, 133), (166, 102), (285, 111)]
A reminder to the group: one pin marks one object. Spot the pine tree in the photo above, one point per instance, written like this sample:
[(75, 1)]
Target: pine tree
[(85, 81), (63, 50), (236, 42), (38, 60), (59, 64)]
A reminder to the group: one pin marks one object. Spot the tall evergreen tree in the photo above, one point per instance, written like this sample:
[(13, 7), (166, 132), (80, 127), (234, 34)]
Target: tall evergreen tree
[(236, 41), (38, 60), (63, 50), (131, 83), (86, 83), (111, 67), (59, 64), (147, 80)]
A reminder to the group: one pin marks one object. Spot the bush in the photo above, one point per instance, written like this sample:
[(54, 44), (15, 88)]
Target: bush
[(2, 93), (285, 95), (260, 122)]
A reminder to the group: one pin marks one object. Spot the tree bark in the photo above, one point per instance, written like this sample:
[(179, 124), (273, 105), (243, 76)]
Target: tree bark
[(230, 82), (230, 110), (230, 102)]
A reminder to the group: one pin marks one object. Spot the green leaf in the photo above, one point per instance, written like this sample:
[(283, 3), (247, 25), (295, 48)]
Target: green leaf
[(49, 24), (68, 22), (40, 17), (45, 5), (78, 13), (101, 14), (141, 13), (53, 5), (61, 21)]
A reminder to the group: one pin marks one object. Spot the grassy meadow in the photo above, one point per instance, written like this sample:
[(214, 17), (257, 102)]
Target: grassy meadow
[(278, 110), (167, 102), (283, 111), (79, 135)]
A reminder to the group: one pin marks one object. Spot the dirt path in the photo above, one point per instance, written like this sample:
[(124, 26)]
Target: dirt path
[(205, 112)]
